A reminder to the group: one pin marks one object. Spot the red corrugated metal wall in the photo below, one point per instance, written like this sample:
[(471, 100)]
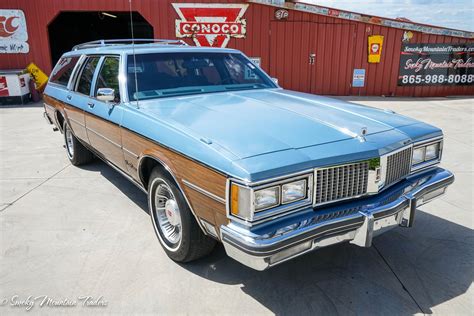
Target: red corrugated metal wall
[(283, 46)]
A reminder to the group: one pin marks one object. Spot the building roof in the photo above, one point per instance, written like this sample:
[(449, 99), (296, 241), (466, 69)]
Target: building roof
[(358, 17)]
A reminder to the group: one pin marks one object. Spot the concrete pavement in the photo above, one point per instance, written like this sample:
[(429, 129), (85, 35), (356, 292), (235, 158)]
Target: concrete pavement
[(68, 232)]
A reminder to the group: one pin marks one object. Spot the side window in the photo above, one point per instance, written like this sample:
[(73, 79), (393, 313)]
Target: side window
[(108, 76), (63, 70), (85, 81)]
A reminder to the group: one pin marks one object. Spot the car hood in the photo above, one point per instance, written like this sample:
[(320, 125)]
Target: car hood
[(257, 122)]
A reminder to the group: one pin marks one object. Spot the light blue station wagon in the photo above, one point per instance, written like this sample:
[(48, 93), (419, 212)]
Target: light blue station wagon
[(226, 155)]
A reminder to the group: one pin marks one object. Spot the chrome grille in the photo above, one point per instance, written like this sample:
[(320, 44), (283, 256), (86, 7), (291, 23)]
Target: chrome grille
[(341, 182), (398, 165)]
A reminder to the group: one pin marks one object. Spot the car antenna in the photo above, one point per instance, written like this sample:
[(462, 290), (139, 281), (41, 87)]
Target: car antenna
[(133, 52)]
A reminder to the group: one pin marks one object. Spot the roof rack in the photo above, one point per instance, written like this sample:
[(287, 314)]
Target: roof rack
[(104, 43)]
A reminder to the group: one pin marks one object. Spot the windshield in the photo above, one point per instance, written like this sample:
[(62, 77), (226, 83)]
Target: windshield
[(170, 74)]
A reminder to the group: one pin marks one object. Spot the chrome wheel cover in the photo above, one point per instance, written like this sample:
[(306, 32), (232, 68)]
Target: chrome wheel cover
[(69, 142), (167, 215)]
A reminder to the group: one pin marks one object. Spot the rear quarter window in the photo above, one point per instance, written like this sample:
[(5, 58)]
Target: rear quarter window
[(63, 70)]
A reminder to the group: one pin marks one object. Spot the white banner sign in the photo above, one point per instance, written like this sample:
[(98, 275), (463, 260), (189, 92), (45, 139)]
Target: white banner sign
[(13, 32)]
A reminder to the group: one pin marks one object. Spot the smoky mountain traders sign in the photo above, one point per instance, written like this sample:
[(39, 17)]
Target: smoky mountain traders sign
[(436, 64)]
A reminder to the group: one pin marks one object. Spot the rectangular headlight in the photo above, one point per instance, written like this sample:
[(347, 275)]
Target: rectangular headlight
[(267, 198), (427, 154), (294, 191), (432, 152), (254, 202), (418, 155)]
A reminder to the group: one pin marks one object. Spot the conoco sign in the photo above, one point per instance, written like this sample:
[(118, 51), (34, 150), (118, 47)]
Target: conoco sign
[(210, 24)]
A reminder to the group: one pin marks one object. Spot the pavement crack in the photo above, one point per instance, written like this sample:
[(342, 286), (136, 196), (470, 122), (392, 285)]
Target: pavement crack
[(34, 188), (398, 278)]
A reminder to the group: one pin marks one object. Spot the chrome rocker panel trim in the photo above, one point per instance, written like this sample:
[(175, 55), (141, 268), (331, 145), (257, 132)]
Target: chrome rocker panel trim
[(358, 221)]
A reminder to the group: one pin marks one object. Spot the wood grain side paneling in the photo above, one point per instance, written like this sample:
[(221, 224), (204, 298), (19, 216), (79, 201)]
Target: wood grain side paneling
[(129, 147), (76, 122), (105, 137), (182, 168), (74, 115)]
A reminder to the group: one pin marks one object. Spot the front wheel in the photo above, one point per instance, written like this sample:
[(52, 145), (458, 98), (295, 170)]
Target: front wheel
[(76, 152), (174, 224)]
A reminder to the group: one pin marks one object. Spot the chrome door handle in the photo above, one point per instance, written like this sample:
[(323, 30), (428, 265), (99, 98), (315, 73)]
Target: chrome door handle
[(91, 105), (69, 97)]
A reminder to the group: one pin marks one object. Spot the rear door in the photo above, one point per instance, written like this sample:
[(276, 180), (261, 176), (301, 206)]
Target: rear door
[(58, 95), (103, 119)]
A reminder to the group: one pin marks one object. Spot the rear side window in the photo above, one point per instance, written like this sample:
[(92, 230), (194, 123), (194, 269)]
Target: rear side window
[(63, 70), (85, 80)]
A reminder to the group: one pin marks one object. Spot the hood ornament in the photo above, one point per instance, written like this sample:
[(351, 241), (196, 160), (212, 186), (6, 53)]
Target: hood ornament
[(362, 133)]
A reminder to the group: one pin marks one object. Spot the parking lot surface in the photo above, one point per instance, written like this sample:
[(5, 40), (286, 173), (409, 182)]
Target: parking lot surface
[(69, 232)]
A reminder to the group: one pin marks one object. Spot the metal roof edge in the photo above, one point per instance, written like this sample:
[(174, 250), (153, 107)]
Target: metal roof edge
[(365, 18)]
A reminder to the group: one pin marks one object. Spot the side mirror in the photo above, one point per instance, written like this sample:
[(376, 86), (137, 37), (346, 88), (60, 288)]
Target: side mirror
[(106, 94)]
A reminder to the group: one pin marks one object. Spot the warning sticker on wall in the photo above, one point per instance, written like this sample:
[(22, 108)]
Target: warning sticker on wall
[(358, 78), (375, 48)]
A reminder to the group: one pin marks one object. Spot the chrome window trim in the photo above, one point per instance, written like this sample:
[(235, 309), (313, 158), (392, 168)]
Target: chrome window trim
[(66, 86), (81, 70), (75, 73), (100, 64)]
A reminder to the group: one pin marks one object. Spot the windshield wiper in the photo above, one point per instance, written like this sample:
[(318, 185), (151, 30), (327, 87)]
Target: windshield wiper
[(178, 92), (242, 87)]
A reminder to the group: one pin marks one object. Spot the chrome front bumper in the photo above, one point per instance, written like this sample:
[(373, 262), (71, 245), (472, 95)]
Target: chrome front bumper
[(357, 221)]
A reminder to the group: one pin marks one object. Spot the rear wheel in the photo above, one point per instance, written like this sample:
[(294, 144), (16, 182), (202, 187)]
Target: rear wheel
[(76, 152), (174, 224)]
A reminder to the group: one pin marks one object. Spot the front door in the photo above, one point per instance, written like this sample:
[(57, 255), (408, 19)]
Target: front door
[(290, 50), (103, 119)]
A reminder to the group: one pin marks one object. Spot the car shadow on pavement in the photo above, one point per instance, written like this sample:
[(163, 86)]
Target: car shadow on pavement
[(136, 195), (406, 271)]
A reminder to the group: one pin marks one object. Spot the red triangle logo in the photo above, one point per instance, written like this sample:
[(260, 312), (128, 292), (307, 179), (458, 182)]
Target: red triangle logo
[(210, 24)]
